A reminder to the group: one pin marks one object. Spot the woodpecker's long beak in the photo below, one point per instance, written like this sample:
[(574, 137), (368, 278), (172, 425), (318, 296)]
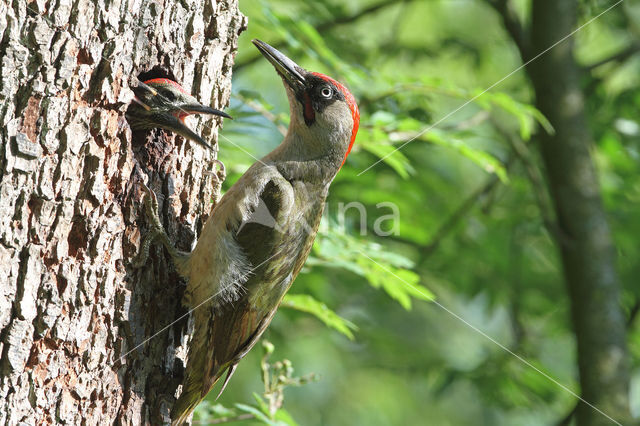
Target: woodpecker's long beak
[(291, 72)]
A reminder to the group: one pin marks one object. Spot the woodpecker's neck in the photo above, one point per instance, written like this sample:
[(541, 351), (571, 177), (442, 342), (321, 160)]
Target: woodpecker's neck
[(304, 156), (314, 152)]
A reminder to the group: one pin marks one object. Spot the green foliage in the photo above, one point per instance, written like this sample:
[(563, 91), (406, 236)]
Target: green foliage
[(306, 303), (267, 408), (471, 229), (381, 268)]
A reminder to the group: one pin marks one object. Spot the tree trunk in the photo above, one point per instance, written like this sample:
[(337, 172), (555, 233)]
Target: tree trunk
[(585, 239), (71, 303)]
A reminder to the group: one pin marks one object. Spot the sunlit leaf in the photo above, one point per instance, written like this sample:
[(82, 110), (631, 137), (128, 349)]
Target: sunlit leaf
[(306, 303), (399, 284), (486, 161), (382, 269), (391, 156), (284, 416), (259, 415)]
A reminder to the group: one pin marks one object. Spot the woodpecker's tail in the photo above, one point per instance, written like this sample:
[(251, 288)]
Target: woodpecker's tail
[(192, 394), (191, 397), (183, 411), (201, 373)]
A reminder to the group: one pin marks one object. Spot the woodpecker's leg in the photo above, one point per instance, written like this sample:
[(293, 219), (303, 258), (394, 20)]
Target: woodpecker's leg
[(157, 231), (221, 174)]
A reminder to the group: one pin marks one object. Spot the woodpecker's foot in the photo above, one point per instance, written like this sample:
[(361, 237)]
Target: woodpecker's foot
[(157, 231), (221, 174)]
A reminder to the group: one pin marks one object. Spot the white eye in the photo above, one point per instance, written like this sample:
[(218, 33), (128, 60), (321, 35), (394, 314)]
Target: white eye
[(326, 92)]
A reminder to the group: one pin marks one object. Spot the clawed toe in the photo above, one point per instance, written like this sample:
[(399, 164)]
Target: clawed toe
[(221, 173), (157, 231)]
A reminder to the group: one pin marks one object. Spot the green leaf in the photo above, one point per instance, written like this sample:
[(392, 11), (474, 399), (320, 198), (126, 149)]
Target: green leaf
[(399, 284), (382, 268), (259, 415), (396, 160), (262, 405), (486, 161), (306, 303), (284, 416)]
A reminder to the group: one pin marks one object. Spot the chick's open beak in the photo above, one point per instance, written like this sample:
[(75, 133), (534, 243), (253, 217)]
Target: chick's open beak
[(163, 103)]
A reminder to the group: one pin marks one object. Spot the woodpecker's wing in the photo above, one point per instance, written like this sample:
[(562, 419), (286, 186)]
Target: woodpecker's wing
[(257, 233), (219, 266)]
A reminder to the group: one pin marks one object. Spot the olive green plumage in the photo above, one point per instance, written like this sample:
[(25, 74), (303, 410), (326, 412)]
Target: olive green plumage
[(259, 235)]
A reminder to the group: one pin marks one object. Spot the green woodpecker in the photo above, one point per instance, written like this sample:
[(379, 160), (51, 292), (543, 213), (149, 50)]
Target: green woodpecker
[(259, 235), (164, 103)]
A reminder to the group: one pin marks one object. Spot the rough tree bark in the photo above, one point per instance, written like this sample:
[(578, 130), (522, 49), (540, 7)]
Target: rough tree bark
[(584, 236), (71, 220)]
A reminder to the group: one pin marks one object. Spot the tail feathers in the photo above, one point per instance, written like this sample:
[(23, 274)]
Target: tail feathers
[(230, 372), (194, 391), (183, 409), (200, 374)]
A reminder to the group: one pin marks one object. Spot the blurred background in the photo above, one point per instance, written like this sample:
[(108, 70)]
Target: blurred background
[(467, 210)]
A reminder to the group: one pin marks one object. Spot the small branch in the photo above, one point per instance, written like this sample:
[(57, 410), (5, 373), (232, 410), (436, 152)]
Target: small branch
[(448, 225), (633, 313), (326, 26), (342, 20), (518, 32), (621, 56), (521, 150), (257, 107), (458, 214), (221, 420), (463, 209)]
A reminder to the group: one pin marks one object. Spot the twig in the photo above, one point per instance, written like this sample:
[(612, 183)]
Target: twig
[(458, 214), (237, 418), (518, 32), (621, 56), (256, 106), (325, 26), (448, 225), (633, 313), (537, 183)]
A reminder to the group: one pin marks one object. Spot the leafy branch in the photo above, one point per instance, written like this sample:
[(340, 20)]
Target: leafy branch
[(268, 407)]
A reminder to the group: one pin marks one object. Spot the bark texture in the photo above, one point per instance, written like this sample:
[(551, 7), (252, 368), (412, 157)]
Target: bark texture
[(71, 219)]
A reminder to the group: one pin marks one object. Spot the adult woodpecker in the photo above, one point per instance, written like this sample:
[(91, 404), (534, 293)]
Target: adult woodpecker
[(259, 235), (163, 103)]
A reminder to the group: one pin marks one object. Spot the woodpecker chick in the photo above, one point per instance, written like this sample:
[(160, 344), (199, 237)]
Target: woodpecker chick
[(164, 103), (259, 235)]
